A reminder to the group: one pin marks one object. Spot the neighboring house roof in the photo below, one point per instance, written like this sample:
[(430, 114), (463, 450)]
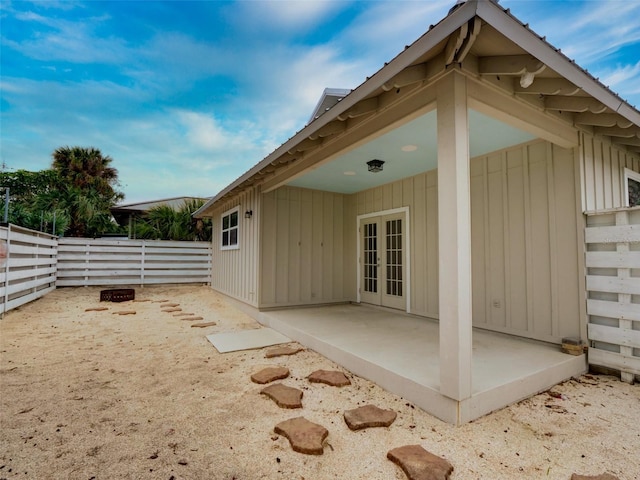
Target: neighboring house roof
[(501, 51), (122, 212), (329, 98)]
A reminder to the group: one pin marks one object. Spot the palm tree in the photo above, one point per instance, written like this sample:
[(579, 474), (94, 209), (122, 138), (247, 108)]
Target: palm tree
[(165, 223), (87, 189)]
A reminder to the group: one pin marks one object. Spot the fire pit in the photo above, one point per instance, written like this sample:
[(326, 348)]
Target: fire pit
[(117, 295)]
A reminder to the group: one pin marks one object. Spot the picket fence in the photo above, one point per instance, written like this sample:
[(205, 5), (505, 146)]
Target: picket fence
[(36, 263), (613, 288)]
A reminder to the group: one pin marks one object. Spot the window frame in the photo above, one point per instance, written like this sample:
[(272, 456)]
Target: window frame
[(629, 174), (229, 213)]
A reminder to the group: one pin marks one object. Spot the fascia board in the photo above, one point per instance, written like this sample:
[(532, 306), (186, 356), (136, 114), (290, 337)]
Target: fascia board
[(426, 42), (511, 28)]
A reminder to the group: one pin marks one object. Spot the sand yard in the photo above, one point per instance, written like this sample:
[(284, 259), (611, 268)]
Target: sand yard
[(95, 395)]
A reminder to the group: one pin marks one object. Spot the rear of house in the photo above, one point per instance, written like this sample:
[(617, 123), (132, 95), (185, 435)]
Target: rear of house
[(495, 150)]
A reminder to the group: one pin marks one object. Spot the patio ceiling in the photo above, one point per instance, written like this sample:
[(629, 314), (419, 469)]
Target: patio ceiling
[(406, 151)]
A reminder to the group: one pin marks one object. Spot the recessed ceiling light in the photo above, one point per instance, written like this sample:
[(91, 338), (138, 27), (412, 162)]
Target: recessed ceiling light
[(350, 173), (409, 148)]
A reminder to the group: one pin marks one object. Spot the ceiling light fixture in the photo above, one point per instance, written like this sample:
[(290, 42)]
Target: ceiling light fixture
[(375, 165), (409, 148), (349, 173)]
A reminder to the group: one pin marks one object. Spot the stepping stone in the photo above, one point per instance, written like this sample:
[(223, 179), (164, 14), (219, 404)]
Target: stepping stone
[(191, 318), (169, 305), (285, 397), (304, 436), (142, 300), (160, 301), (277, 352), (269, 374), (330, 377), (171, 310), (202, 325), (418, 464), (182, 314), (125, 312), (369, 416), (96, 309), (603, 476)]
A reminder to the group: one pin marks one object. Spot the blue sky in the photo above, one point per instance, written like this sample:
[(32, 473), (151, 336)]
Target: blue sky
[(185, 96)]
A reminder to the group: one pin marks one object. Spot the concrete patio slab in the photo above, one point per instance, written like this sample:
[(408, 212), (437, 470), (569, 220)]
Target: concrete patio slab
[(246, 339)]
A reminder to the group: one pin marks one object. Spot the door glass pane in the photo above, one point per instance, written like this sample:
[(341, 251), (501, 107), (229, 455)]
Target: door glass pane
[(394, 257), (370, 258)]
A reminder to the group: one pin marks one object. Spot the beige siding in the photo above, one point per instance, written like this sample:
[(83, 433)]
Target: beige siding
[(302, 248), (526, 259), (603, 173), (235, 272), (420, 194), (526, 254)]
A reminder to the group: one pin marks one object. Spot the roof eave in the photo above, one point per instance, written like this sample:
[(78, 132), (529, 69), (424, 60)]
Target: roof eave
[(426, 42)]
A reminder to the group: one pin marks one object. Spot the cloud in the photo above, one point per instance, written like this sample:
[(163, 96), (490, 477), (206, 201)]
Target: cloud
[(285, 17)]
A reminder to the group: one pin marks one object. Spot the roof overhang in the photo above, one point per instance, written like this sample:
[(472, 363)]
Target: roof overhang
[(504, 59)]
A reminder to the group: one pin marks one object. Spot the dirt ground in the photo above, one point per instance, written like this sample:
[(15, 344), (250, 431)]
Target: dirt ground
[(94, 395)]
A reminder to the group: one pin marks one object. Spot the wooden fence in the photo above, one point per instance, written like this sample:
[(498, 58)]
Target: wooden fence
[(28, 266), (85, 262), (613, 289)]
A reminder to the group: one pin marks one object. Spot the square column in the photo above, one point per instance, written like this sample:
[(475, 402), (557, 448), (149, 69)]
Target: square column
[(454, 238)]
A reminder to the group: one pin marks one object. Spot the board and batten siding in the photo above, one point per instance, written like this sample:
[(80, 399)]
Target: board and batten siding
[(525, 240), (302, 256), (235, 272), (602, 173)]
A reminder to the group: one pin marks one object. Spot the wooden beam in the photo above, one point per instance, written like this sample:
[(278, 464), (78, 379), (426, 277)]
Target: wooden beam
[(306, 144), (409, 75), (618, 132), (547, 86), (602, 120), (629, 141), (574, 104), (474, 30), (455, 42), (510, 65)]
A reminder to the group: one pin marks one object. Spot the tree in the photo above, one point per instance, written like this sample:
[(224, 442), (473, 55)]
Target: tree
[(165, 223), (86, 190)]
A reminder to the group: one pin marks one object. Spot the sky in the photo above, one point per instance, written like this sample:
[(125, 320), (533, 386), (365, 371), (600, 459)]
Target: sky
[(185, 96)]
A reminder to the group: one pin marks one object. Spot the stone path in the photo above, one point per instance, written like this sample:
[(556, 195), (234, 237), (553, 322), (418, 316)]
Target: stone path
[(418, 464), (304, 436), (330, 377), (285, 397), (269, 374), (369, 416), (603, 476), (280, 351)]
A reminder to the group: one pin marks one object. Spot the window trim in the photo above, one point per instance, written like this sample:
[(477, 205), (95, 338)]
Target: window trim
[(629, 174), (228, 213)]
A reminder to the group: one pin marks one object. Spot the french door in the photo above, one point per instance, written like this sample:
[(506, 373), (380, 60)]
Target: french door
[(382, 265)]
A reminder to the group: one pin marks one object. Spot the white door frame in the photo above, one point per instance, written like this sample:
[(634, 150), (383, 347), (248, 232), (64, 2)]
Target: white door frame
[(392, 211)]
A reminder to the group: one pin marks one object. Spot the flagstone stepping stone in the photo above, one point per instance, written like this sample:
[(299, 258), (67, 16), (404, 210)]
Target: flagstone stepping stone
[(96, 309), (285, 397), (125, 312), (277, 352), (369, 416), (418, 464), (603, 476), (269, 374), (304, 436), (160, 301), (171, 310), (182, 314), (191, 318), (140, 300), (170, 305), (330, 377), (202, 325)]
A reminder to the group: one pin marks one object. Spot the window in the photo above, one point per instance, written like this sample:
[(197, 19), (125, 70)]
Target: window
[(229, 224), (631, 188)]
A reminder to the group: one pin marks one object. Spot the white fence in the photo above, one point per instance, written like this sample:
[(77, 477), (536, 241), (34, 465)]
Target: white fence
[(84, 262), (28, 270), (36, 263), (613, 285)]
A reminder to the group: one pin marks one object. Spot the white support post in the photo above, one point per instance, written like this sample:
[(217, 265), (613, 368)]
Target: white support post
[(622, 218), (454, 238)]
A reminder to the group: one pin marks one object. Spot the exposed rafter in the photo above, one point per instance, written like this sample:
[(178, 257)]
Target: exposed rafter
[(364, 107), (304, 145), (602, 120), (409, 75), (329, 129), (618, 132), (548, 86), (461, 41), (510, 65), (634, 141), (574, 104)]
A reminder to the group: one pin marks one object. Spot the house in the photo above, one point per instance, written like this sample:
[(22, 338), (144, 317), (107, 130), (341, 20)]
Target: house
[(127, 214), (428, 230)]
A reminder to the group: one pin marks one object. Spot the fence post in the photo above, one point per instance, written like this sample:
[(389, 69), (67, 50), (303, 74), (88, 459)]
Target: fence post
[(144, 243), (622, 218), (7, 261)]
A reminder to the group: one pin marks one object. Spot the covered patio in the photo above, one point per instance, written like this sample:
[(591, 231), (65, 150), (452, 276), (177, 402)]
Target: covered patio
[(401, 353)]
